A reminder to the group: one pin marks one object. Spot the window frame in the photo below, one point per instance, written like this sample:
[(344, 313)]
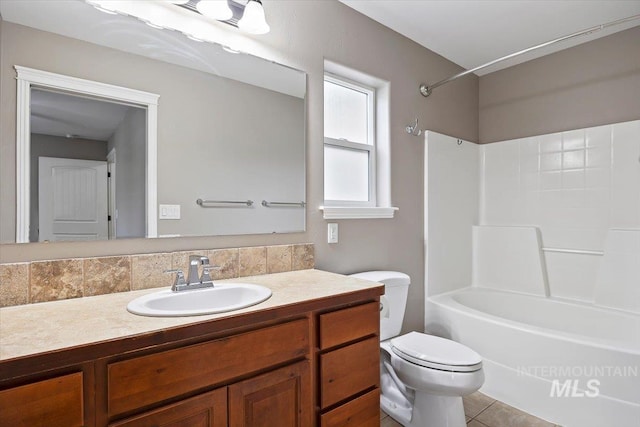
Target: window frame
[(369, 146)]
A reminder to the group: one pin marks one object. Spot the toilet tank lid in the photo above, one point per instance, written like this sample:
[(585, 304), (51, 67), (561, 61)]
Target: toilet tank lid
[(388, 278)]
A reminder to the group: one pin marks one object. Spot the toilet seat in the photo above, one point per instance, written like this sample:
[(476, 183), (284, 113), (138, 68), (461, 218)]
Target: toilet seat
[(436, 353)]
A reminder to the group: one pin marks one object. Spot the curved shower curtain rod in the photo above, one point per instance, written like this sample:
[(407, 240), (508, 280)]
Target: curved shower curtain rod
[(426, 90)]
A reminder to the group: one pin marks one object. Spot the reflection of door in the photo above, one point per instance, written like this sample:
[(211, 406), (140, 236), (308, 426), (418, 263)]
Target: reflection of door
[(72, 199), (111, 188)]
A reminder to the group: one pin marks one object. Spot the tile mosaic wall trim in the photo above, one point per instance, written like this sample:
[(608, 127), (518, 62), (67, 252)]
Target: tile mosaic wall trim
[(40, 281)]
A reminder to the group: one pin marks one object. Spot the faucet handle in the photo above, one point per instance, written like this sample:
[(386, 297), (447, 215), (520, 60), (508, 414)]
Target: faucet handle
[(179, 278), (206, 277)]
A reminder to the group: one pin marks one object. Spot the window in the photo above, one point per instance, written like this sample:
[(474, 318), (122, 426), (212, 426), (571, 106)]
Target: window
[(349, 143), (357, 175)]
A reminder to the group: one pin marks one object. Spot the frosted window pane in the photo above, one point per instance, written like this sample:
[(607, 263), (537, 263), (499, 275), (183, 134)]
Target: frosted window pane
[(345, 113), (346, 174)]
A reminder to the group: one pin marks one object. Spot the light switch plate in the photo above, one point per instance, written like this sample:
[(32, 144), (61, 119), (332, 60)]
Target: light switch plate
[(169, 212), (332, 232)]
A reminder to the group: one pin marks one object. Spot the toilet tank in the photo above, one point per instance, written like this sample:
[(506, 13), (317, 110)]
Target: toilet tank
[(393, 302)]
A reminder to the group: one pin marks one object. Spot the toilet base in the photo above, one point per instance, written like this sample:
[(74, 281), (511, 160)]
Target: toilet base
[(430, 410), (398, 412)]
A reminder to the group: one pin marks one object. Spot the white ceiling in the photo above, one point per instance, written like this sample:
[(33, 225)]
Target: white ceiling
[(60, 114), (474, 32)]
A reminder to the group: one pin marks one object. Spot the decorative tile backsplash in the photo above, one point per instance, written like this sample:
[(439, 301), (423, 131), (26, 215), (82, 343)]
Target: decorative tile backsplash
[(54, 280), (40, 281)]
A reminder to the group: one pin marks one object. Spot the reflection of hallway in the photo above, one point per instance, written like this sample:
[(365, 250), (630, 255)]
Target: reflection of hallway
[(84, 128)]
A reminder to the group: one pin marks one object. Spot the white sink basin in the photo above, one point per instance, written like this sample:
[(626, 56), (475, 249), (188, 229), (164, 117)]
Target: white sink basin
[(221, 298)]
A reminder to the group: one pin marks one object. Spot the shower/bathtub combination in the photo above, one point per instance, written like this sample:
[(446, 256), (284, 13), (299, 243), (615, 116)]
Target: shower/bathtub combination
[(547, 287)]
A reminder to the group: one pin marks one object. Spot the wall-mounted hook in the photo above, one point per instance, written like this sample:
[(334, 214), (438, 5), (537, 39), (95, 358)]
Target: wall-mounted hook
[(413, 129)]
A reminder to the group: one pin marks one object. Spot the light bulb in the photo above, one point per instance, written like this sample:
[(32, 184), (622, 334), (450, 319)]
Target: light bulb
[(216, 9), (253, 20)]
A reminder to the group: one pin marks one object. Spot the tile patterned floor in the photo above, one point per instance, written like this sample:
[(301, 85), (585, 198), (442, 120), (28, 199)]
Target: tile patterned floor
[(483, 411)]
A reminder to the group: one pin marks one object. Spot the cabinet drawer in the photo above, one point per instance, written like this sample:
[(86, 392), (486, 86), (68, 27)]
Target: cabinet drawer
[(361, 412), (349, 370), (53, 402), (349, 324), (148, 380)]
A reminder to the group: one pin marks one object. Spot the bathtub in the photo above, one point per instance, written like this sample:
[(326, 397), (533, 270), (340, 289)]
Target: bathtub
[(568, 363)]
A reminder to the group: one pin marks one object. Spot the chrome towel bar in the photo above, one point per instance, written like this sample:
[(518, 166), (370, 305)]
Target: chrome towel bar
[(201, 202), (283, 204), (573, 251)]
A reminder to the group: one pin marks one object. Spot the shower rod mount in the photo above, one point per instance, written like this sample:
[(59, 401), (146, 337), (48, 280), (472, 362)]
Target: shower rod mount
[(426, 90)]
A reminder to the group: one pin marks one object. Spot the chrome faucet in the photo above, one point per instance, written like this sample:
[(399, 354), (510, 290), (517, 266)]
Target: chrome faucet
[(193, 281), (194, 263)]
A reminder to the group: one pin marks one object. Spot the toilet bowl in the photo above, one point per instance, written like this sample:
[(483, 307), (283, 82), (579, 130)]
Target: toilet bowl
[(439, 372), (423, 377)]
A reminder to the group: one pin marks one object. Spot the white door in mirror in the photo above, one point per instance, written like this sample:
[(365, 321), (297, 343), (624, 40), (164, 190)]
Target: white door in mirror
[(221, 298), (72, 198)]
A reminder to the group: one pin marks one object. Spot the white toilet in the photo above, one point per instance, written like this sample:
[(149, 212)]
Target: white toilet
[(423, 377)]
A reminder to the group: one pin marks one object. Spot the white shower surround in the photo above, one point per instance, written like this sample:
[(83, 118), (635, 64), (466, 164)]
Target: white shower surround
[(572, 188)]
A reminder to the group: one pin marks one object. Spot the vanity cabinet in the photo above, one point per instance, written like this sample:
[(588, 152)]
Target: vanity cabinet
[(149, 380), (283, 395), (143, 381), (349, 362), (306, 364)]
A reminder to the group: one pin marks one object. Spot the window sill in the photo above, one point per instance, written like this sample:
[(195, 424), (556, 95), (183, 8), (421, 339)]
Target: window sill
[(357, 212)]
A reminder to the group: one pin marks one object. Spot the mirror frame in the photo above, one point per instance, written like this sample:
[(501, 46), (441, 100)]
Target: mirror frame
[(28, 78)]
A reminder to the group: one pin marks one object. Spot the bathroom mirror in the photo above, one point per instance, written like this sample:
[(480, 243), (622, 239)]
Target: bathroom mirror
[(230, 126)]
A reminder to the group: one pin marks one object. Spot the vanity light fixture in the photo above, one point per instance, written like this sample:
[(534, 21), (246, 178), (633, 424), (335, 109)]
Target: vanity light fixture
[(253, 20), (247, 15)]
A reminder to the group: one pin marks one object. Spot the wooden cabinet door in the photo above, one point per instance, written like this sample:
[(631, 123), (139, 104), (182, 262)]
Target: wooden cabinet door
[(205, 410), (279, 398), (49, 403)]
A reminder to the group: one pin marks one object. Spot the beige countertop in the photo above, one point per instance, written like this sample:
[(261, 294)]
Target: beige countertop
[(37, 328)]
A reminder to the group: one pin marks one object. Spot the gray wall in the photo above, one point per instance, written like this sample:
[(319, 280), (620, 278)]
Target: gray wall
[(130, 143), (57, 146), (591, 84), (303, 33), (248, 147)]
